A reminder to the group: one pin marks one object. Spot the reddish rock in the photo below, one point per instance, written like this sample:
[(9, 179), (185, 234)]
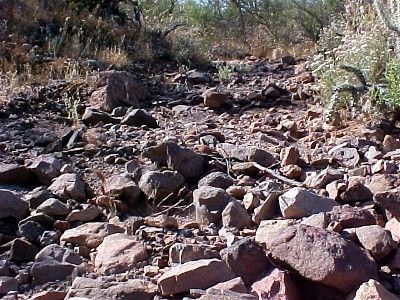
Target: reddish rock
[(372, 290), (277, 285), (199, 274), (119, 253), (389, 200), (117, 88), (356, 191), (376, 240), (214, 99), (289, 156), (321, 256), (349, 217), (245, 253)]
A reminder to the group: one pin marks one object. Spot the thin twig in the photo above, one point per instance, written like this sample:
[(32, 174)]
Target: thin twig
[(273, 174), (168, 209)]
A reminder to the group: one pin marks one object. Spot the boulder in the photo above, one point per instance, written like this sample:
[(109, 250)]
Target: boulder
[(54, 263), (235, 215), (243, 254), (289, 156), (372, 289), (95, 289), (349, 217), (183, 160), (276, 285), (117, 88), (69, 186), (139, 117), (53, 207), (246, 154), (376, 240), (124, 188), (209, 202), (46, 167), (158, 185), (11, 205), (90, 235), (119, 253), (214, 99), (199, 274), (22, 251), (8, 284), (269, 228), (299, 203), (389, 200), (216, 179), (16, 174), (86, 214), (321, 256), (93, 116)]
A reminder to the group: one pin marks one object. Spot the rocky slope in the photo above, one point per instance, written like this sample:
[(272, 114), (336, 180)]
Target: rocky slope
[(179, 186)]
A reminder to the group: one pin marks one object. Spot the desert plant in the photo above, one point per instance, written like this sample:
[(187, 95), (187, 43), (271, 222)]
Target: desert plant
[(352, 67), (224, 73)]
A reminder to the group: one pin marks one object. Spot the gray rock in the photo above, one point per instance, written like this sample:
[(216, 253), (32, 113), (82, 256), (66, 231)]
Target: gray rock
[(30, 230), (54, 263), (93, 116), (246, 154), (139, 117), (159, 185), (37, 197), (22, 251), (209, 202), (86, 214), (46, 167), (183, 160), (216, 179), (53, 207), (69, 186), (8, 284), (124, 189), (235, 215), (182, 253), (247, 259), (11, 205), (299, 203)]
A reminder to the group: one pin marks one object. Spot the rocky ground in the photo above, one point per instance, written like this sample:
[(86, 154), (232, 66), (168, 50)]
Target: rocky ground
[(180, 186)]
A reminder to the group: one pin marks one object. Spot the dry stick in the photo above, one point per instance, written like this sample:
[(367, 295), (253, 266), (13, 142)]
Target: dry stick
[(273, 174), (168, 209)]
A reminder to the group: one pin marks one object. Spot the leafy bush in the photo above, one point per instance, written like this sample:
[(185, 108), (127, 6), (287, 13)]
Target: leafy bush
[(358, 44)]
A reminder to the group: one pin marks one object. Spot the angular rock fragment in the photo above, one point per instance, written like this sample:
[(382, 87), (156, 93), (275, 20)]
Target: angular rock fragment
[(11, 205), (159, 185), (69, 186), (119, 253), (90, 235), (376, 240), (243, 254), (299, 203), (209, 203), (199, 274)]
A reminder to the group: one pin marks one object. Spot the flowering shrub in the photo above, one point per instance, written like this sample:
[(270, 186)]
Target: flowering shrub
[(355, 68)]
